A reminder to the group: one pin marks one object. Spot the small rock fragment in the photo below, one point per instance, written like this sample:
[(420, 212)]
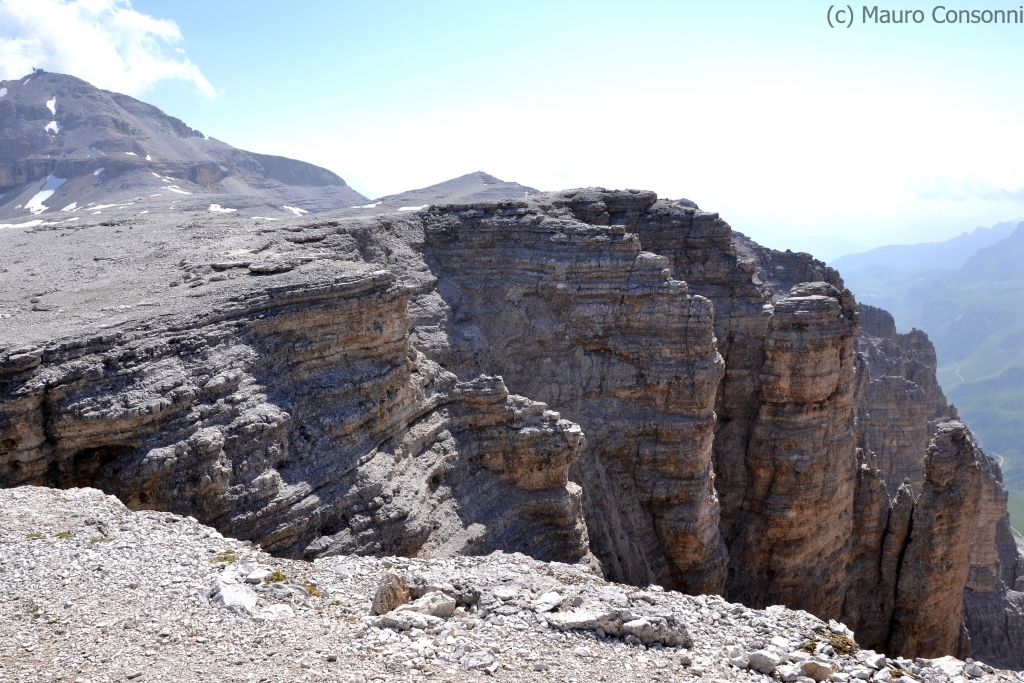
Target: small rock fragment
[(392, 592)]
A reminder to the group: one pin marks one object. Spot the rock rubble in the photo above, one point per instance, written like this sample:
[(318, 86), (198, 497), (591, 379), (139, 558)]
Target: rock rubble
[(94, 592)]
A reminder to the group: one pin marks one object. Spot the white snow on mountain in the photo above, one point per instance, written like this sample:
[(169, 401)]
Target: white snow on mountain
[(35, 205), (52, 127), (52, 105), (296, 210)]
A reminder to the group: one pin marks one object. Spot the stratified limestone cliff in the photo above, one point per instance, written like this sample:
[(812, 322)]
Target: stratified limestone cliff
[(993, 601), (389, 385), (902, 402), (575, 314), (296, 414), (928, 617), (784, 450), (901, 399)]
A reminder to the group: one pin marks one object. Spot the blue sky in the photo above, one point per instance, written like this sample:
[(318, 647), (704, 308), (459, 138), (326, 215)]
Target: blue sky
[(798, 134)]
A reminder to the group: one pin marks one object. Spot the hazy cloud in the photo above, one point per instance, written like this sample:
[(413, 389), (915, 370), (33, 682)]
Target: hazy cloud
[(106, 42), (946, 189)]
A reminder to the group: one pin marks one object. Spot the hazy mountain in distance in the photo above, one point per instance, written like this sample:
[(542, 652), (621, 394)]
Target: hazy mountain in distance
[(472, 187), (949, 254), (66, 145), (975, 317), (823, 247)]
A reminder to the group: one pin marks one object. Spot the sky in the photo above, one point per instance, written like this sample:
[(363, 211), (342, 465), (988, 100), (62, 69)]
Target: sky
[(800, 135)]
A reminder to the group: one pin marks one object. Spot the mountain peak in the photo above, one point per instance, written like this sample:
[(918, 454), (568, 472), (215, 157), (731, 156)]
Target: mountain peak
[(59, 126)]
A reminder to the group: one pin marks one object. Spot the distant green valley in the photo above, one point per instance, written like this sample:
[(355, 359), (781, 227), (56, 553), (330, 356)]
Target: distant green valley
[(975, 317)]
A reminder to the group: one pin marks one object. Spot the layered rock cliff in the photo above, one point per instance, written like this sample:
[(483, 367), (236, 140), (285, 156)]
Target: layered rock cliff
[(297, 414), (956, 536), (587, 375)]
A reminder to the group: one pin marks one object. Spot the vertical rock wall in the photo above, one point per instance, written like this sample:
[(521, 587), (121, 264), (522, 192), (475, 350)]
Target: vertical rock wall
[(785, 452), (575, 314), (928, 619)]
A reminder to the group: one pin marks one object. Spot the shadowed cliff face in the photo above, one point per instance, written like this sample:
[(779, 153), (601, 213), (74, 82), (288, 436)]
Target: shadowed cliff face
[(299, 416), (389, 385), (577, 315)]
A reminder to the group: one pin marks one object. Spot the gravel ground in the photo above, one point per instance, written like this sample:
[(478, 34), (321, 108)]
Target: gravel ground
[(91, 592)]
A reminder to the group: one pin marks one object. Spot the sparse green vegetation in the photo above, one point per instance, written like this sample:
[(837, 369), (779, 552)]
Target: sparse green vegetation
[(34, 535), (31, 610), (1016, 507), (224, 556), (841, 644), (312, 589), (278, 575), (65, 535), (105, 539)]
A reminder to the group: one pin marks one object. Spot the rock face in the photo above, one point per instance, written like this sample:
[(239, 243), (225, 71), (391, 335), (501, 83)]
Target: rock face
[(928, 616), (993, 601), (577, 315), (584, 376), (783, 449), (220, 416), (902, 401), (901, 398)]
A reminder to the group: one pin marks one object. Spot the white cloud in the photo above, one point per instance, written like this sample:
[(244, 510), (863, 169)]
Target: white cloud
[(105, 42), (966, 189)]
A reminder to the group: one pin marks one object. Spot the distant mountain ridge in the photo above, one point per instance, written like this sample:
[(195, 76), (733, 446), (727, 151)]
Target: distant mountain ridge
[(948, 255), (69, 149), (64, 142), (975, 317), (472, 187)]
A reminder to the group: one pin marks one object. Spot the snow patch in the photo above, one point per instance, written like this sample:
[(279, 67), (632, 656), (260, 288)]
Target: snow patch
[(98, 170), (131, 154), (217, 208), (70, 207), (35, 205), (175, 188), (107, 206), (296, 210), (364, 206), (52, 127), (34, 223), (52, 105), (149, 158), (413, 208), (263, 218), (29, 224), (142, 212), (156, 195), (3, 91)]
